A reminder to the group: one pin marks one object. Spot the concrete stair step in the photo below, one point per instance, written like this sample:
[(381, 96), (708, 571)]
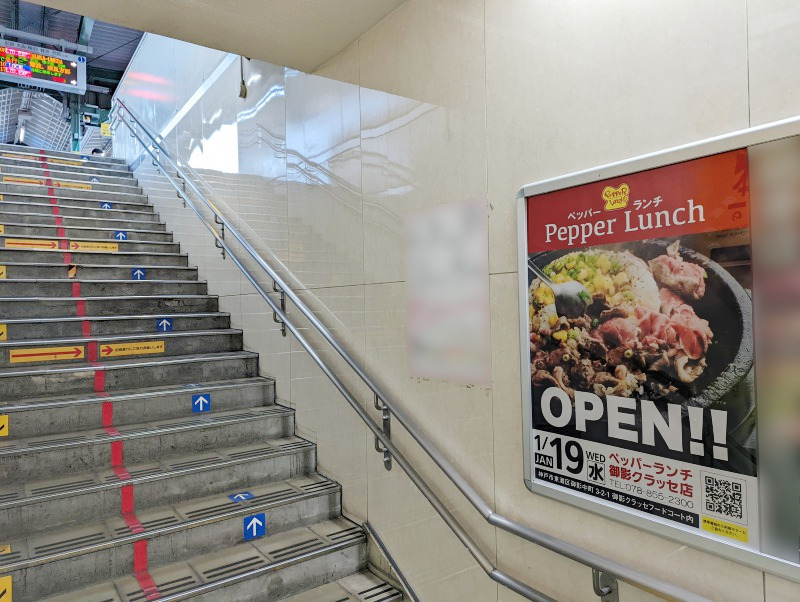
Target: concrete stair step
[(42, 352), (65, 256), (22, 230), (68, 208), (98, 288), (61, 454), (37, 241), (89, 190), (106, 549), (360, 587), (37, 505), (61, 198), (26, 329), (33, 417), (94, 272), (44, 216), (56, 173), (116, 375), (37, 153), (266, 569), (27, 307), (10, 161)]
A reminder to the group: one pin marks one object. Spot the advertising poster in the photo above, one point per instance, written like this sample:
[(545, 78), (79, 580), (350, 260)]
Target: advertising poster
[(641, 345)]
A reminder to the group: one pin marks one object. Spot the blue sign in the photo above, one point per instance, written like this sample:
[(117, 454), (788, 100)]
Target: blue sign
[(94, 180), (106, 205), (254, 526), (164, 325), (201, 403), (138, 274), (193, 386), (121, 235), (241, 497), (84, 158)]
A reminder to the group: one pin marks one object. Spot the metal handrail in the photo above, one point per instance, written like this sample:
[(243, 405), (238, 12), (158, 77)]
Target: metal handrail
[(549, 542)]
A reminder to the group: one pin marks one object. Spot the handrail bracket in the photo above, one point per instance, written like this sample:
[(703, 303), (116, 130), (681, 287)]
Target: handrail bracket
[(386, 416), (605, 586), (275, 317)]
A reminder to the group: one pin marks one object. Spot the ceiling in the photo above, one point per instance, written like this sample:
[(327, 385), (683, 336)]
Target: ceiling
[(302, 34)]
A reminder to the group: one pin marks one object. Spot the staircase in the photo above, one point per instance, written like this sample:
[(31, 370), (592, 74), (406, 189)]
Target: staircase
[(142, 457)]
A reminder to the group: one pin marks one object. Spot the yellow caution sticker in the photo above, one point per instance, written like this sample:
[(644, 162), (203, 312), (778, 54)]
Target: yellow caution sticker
[(720, 527), (3, 332), (5, 549), (2, 226), (5, 589), (3, 425), (76, 185), (1, 197), (30, 243), (18, 180), (65, 162), (3, 272), (120, 349), (45, 354), (72, 271), (105, 129), (83, 245), (17, 156)]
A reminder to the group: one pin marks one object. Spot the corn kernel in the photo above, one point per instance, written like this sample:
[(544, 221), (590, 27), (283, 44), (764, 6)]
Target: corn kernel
[(560, 335)]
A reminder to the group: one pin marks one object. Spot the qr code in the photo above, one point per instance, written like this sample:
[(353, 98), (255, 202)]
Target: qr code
[(723, 496)]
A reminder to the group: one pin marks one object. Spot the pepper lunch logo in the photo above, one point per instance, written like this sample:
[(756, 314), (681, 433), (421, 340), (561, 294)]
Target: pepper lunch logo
[(616, 198)]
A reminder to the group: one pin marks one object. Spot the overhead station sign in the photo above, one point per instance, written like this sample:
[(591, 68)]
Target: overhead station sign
[(42, 67)]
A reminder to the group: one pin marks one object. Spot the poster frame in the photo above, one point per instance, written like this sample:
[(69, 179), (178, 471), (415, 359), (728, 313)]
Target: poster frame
[(760, 134)]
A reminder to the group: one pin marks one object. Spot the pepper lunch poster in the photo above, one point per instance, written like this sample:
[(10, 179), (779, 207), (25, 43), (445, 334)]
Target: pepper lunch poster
[(642, 387)]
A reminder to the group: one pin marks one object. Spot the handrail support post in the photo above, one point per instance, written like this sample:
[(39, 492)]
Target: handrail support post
[(605, 586), (386, 416)]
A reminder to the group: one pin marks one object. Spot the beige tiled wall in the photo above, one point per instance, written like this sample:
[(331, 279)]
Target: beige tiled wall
[(445, 101)]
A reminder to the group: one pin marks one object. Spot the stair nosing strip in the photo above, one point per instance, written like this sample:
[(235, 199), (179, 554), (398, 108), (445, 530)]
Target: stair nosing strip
[(101, 339)]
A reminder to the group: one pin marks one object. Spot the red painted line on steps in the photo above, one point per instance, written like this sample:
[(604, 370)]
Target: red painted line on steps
[(59, 221), (63, 244), (107, 413), (76, 289), (46, 171), (61, 232), (117, 449), (49, 183), (99, 380), (80, 308), (67, 257), (91, 350), (86, 328), (141, 573)]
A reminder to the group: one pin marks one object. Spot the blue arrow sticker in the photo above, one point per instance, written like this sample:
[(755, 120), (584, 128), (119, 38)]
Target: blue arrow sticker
[(106, 205), (193, 386), (254, 526), (94, 180), (121, 235), (164, 325), (242, 496), (84, 158), (201, 403), (138, 274)]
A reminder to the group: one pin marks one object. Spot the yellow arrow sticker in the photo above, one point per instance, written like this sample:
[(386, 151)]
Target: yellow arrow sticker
[(143, 348), (5, 588), (46, 354), (5, 549), (3, 332), (30, 243), (18, 180), (2, 226), (82, 245), (76, 185), (3, 271), (16, 156), (1, 197), (65, 162), (3, 425)]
